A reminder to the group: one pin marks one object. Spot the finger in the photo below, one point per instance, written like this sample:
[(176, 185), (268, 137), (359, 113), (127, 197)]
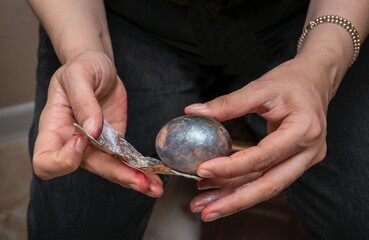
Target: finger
[(115, 107), (78, 86), (116, 171), (156, 188), (200, 201), (277, 146), (226, 187), (250, 98), (59, 158), (269, 185), (208, 183)]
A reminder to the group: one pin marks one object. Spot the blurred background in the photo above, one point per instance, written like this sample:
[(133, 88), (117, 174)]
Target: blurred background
[(18, 44)]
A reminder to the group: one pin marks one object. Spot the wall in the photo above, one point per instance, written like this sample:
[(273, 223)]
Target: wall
[(18, 45)]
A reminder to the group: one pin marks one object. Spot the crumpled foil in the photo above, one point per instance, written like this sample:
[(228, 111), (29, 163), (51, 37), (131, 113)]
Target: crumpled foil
[(113, 143)]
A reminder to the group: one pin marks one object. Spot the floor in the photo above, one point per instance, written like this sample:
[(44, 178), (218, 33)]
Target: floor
[(171, 217), (15, 175)]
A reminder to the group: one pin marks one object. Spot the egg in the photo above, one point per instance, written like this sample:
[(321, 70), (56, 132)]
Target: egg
[(187, 141)]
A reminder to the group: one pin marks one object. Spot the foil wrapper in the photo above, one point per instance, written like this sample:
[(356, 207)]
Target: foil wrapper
[(113, 143)]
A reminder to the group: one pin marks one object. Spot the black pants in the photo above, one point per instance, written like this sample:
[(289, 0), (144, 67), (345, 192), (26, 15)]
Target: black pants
[(166, 65)]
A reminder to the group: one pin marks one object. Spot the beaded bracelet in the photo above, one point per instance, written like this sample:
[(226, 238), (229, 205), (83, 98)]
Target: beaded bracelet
[(347, 25)]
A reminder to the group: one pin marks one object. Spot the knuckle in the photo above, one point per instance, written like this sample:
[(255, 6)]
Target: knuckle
[(238, 208), (38, 170), (224, 101), (69, 75), (238, 204), (118, 175), (41, 174), (264, 162), (322, 153), (254, 86), (81, 67), (81, 108), (316, 130), (70, 165), (272, 191), (118, 178), (313, 134), (229, 173)]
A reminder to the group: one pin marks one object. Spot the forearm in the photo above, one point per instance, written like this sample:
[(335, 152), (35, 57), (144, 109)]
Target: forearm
[(74, 26), (330, 46)]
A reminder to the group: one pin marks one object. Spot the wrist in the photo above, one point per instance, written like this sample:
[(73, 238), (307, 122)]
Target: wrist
[(340, 21), (74, 26), (68, 46), (329, 49)]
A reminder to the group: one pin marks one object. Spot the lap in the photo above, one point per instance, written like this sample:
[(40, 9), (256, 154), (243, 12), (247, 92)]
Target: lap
[(82, 205), (331, 197)]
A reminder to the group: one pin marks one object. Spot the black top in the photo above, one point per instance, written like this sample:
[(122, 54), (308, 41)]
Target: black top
[(166, 17)]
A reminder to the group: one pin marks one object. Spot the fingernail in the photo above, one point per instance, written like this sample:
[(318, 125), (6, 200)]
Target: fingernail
[(211, 217), (89, 126), (198, 209), (154, 186), (204, 200), (197, 106), (134, 187), (203, 187), (155, 183), (205, 173), (81, 144)]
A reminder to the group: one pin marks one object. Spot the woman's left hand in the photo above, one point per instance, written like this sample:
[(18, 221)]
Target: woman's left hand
[(293, 98)]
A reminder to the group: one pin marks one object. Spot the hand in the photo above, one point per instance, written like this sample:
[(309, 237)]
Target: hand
[(86, 90), (293, 98)]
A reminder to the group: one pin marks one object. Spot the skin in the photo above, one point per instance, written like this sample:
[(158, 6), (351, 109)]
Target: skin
[(293, 98), (85, 90)]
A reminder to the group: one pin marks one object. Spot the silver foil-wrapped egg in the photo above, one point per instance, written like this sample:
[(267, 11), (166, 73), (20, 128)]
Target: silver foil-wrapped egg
[(187, 141)]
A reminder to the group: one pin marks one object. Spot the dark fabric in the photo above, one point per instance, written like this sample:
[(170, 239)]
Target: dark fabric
[(79, 205), (333, 196), (172, 54)]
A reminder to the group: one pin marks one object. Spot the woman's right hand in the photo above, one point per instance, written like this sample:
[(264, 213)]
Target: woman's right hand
[(86, 90)]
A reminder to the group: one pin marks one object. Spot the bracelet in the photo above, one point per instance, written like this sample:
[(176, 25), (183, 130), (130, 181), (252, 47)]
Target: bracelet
[(347, 25)]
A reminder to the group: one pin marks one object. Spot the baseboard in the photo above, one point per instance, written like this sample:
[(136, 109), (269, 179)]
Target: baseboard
[(15, 121)]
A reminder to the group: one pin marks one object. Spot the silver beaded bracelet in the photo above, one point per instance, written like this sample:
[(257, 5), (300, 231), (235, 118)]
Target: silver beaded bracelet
[(343, 22)]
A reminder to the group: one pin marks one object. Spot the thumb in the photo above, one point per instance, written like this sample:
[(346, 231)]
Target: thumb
[(83, 101)]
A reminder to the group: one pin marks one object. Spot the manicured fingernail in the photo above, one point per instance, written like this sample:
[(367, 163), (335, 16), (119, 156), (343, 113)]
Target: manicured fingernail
[(205, 173), (197, 106), (81, 144), (198, 209), (211, 217)]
